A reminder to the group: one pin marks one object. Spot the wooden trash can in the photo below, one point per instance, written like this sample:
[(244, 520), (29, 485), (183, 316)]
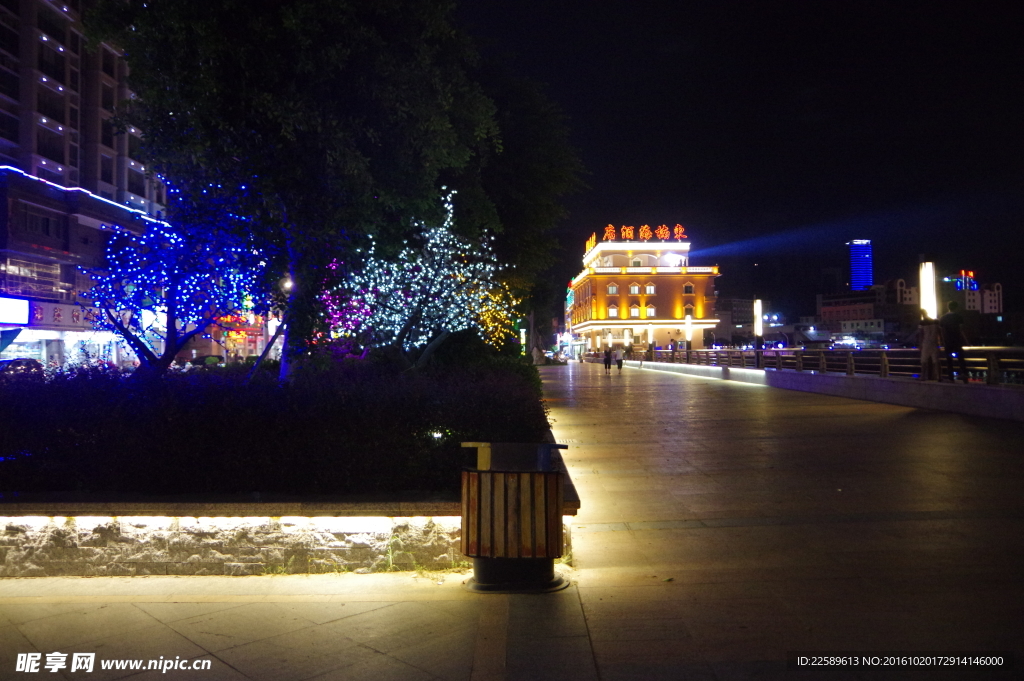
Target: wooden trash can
[(512, 529)]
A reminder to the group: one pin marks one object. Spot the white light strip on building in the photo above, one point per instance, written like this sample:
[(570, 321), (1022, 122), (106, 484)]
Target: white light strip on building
[(630, 323), (637, 248), (141, 214)]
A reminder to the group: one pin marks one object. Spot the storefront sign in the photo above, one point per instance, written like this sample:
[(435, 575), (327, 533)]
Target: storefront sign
[(59, 316)]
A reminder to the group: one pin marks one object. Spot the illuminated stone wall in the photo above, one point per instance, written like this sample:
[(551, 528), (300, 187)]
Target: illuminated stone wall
[(40, 546)]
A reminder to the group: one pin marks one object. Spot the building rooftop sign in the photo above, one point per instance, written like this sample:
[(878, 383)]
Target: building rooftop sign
[(631, 233)]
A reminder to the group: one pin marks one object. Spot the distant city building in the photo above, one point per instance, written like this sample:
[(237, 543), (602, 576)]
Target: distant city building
[(638, 287), (965, 290), (862, 273), (882, 309)]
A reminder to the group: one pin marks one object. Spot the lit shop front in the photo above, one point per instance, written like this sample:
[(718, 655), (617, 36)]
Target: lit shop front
[(56, 334)]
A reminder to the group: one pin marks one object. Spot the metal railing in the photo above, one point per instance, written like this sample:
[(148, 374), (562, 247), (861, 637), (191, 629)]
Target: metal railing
[(989, 365)]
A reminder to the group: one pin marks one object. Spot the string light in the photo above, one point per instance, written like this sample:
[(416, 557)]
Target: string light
[(447, 284), (190, 276)]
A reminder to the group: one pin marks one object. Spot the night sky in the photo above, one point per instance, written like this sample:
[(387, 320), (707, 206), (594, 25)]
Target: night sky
[(778, 131)]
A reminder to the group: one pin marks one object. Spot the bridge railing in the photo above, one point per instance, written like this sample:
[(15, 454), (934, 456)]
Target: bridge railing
[(991, 365)]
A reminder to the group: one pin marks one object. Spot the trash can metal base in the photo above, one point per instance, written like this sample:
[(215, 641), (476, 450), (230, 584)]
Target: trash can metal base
[(515, 575)]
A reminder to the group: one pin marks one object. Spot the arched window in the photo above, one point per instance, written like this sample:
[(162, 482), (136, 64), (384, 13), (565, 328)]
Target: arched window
[(613, 312), (688, 310), (649, 289), (613, 289), (634, 311), (688, 288), (636, 263), (634, 289), (650, 311)]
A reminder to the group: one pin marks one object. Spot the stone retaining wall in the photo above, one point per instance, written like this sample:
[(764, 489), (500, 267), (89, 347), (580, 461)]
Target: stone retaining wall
[(42, 546)]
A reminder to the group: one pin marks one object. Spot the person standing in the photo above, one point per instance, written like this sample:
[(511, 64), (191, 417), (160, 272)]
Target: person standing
[(608, 361), (929, 336), (672, 348), (951, 325), (617, 355)]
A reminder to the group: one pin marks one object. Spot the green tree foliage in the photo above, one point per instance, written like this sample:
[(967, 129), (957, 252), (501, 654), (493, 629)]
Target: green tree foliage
[(515, 191), (325, 120)]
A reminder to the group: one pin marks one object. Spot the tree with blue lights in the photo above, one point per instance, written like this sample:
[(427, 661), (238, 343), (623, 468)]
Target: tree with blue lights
[(408, 305), (161, 288)]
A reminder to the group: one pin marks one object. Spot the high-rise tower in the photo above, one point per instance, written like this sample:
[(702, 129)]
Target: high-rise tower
[(862, 275)]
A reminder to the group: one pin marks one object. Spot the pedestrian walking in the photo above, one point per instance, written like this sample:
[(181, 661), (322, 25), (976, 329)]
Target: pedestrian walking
[(617, 355), (929, 337), (951, 325), (608, 361)]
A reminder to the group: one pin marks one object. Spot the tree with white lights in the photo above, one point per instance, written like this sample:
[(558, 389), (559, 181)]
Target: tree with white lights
[(412, 303), (170, 284)]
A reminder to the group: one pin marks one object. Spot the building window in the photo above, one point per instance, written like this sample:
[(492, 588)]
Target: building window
[(107, 96), (688, 310), (51, 62), (47, 225), (634, 311), (107, 169), (109, 63), (650, 311), (51, 24), (634, 289), (636, 263), (50, 145), (50, 104), (134, 147), (9, 126), (9, 36), (688, 288), (137, 183), (10, 84), (613, 312), (649, 289), (107, 133), (613, 289)]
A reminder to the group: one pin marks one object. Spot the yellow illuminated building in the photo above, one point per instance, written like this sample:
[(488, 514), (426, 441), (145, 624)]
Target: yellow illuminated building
[(637, 288)]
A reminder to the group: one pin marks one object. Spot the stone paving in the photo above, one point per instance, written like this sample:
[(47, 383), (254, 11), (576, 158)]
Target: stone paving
[(722, 526)]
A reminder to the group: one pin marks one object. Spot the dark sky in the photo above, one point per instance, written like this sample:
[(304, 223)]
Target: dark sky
[(777, 131)]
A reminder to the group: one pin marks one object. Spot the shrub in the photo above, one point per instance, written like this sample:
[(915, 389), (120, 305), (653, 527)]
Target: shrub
[(345, 428)]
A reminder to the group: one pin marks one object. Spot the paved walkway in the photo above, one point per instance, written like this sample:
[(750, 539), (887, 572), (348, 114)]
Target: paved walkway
[(723, 526)]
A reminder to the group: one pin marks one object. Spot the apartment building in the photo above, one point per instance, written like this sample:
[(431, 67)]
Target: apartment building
[(66, 176)]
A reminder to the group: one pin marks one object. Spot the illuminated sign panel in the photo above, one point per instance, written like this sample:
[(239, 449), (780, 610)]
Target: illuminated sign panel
[(13, 311), (646, 233)]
